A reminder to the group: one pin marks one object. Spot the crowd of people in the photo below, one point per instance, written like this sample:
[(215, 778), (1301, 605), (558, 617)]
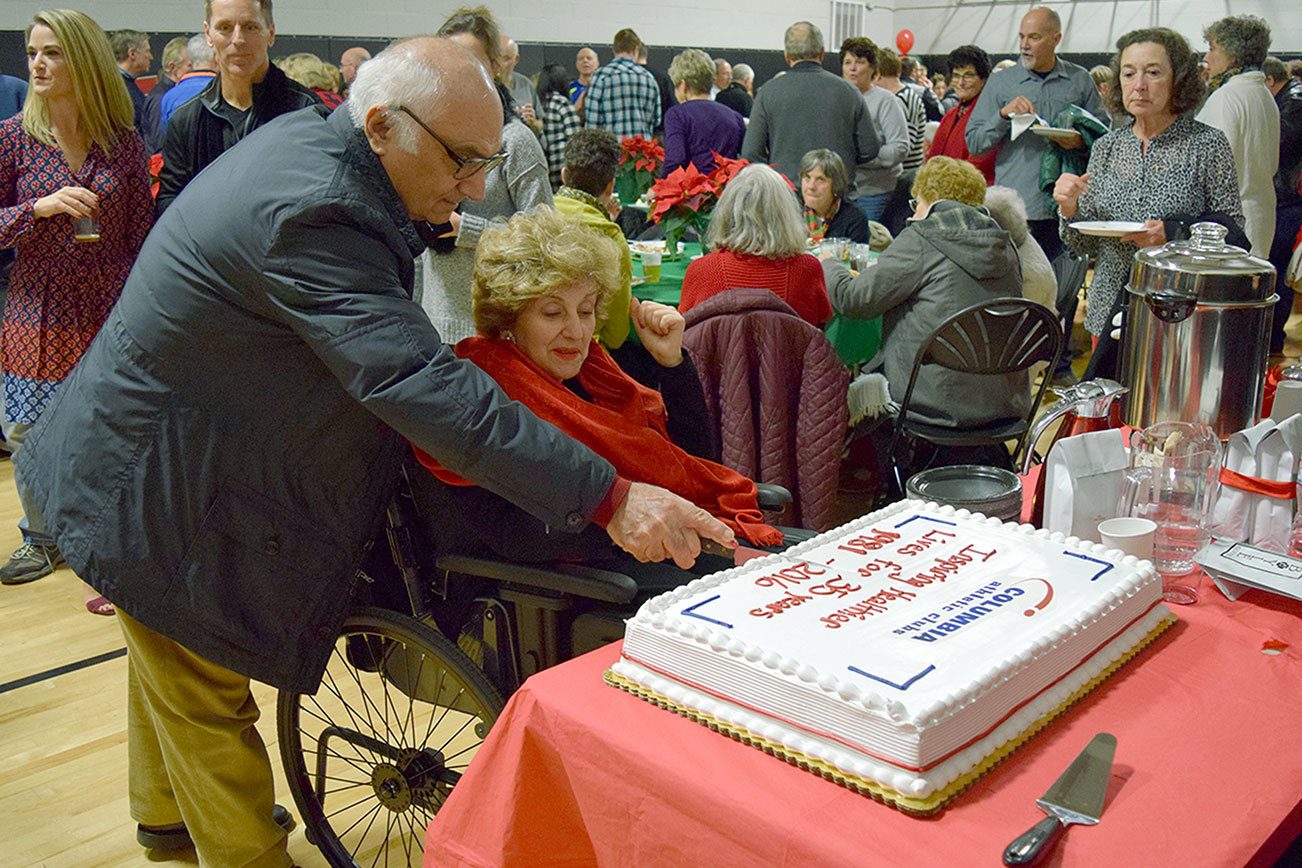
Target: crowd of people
[(418, 250)]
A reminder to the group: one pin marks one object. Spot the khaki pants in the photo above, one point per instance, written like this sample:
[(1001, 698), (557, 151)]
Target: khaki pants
[(195, 755)]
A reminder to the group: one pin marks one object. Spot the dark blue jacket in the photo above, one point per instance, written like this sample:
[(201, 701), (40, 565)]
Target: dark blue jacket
[(219, 459)]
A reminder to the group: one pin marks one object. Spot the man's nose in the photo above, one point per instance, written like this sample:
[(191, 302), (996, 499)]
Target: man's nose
[(473, 187)]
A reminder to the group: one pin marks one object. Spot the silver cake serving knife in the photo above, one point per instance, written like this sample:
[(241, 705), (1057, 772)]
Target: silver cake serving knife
[(1076, 797)]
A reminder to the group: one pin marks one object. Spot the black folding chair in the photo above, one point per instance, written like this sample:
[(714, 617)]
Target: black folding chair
[(996, 337)]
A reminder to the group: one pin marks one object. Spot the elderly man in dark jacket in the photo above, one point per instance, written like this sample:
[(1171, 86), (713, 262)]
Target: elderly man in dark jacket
[(808, 108), (222, 455)]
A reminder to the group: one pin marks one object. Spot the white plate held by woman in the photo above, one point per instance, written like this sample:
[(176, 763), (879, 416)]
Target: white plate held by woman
[(1107, 228)]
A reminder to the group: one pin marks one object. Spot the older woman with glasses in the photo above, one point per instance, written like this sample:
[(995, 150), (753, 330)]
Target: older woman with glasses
[(969, 68), (515, 180), (542, 283), (823, 185)]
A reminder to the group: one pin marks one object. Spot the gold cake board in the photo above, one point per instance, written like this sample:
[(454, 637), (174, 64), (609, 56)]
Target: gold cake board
[(910, 805)]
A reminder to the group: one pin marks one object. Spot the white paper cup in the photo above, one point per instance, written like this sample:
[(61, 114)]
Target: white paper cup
[(1288, 400), (651, 266), (1134, 536)]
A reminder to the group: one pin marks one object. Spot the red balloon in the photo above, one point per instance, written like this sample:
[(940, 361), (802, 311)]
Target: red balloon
[(904, 41)]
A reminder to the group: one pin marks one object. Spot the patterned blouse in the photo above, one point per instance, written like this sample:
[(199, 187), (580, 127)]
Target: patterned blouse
[(60, 291), (1187, 172), (560, 121)]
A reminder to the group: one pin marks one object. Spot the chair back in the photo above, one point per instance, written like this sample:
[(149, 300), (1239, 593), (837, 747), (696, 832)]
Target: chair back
[(775, 391), (1001, 336)]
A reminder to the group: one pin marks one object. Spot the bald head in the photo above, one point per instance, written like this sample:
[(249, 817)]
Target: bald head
[(510, 58), (1038, 38), (350, 60)]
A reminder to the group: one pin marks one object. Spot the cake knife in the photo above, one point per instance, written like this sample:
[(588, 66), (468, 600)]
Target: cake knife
[(740, 554), (1076, 797)]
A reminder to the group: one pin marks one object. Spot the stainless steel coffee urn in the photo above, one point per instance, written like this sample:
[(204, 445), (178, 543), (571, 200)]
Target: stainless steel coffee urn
[(1197, 333)]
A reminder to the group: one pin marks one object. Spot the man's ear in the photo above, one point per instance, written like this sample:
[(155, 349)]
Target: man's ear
[(610, 188), (564, 176), (379, 129)]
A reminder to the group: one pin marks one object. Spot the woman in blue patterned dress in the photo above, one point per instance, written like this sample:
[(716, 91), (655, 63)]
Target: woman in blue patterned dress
[(72, 153)]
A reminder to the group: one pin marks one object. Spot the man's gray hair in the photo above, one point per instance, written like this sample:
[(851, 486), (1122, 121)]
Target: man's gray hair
[(201, 54), (742, 73), (395, 77), (1008, 209), (1274, 68), (803, 41), (1245, 38), (757, 215)]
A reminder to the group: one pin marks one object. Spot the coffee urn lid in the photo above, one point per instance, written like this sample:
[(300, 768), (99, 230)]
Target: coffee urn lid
[(1204, 268)]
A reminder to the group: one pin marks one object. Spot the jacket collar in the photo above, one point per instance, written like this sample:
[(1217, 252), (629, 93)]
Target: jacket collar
[(738, 301), (359, 157), (1058, 71), (272, 82), (806, 66)]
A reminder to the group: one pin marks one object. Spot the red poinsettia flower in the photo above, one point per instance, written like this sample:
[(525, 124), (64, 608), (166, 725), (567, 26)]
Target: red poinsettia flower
[(684, 187), (155, 170), (725, 169)]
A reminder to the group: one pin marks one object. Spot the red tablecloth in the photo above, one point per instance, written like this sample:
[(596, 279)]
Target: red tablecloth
[(1208, 771)]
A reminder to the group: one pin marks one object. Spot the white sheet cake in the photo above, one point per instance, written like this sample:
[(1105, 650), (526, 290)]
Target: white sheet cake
[(902, 654)]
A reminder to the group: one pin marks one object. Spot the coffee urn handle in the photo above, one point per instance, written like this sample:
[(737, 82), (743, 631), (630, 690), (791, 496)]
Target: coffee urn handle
[(1171, 307)]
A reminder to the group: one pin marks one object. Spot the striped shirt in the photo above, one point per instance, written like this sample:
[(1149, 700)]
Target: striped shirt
[(915, 115)]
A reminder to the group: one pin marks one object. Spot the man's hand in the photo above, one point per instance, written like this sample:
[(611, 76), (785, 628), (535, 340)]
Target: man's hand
[(1067, 192), (1020, 105), (660, 329), (1152, 235), (653, 524), (73, 201)]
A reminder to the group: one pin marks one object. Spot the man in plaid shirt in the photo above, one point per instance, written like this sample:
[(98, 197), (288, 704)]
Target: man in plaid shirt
[(623, 97)]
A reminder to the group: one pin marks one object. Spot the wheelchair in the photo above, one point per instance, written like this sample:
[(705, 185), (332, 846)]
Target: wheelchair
[(418, 676)]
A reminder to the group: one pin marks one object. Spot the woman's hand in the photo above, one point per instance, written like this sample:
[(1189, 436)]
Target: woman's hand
[(660, 329), (1067, 192), (1152, 235), (73, 201), (454, 220)]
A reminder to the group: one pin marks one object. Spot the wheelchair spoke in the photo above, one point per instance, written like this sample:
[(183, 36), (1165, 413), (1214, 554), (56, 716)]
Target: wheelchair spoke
[(333, 687), (346, 807), (341, 789), (352, 671), (411, 698), (349, 760), (372, 813), (446, 709), (389, 704), (364, 758), (438, 691), (469, 719), (406, 838)]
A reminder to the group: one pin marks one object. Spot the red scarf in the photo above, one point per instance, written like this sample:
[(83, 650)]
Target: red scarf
[(623, 423)]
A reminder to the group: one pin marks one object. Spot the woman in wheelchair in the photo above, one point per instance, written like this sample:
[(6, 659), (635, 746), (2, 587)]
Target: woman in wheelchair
[(541, 285)]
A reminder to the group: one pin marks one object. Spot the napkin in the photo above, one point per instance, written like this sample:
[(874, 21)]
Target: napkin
[(1232, 512), (1277, 461), (1022, 123)]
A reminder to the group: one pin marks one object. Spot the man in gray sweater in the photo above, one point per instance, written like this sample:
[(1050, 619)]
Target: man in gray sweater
[(808, 108)]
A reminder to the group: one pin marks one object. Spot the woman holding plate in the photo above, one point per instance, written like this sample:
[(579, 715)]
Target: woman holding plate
[(1161, 173)]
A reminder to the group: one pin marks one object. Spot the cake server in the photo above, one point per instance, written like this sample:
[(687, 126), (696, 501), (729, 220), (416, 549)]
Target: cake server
[(1076, 797)]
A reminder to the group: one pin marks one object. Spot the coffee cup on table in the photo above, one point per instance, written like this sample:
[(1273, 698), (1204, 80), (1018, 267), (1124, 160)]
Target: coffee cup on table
[(1133, 536)]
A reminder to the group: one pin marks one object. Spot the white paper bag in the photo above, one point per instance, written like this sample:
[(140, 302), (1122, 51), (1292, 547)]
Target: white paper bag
[(1083, 480)]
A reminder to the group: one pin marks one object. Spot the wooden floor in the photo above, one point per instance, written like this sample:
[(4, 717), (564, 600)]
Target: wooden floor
[(63, 755), (63, 749)]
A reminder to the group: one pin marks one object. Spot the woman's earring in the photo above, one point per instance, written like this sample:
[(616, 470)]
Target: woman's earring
[(506, 335)]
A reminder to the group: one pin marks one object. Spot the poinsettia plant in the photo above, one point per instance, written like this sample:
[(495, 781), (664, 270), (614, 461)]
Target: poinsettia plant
[(640, 160), (685, 197)]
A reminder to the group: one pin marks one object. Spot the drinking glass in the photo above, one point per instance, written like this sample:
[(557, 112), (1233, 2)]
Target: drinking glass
[(85, 229), (1172, 480)]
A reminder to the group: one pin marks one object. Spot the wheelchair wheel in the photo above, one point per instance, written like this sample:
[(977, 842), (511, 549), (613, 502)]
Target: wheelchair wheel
[(373, 754)]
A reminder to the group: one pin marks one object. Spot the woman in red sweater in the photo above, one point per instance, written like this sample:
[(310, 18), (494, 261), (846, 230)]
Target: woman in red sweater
[(969, 67), (757, 240)]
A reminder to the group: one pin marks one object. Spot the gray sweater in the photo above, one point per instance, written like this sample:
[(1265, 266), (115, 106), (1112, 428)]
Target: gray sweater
[(517, 185), (805, 109)]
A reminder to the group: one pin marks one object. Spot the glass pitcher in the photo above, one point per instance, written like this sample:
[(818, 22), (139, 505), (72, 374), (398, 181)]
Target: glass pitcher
[(1172, 480)]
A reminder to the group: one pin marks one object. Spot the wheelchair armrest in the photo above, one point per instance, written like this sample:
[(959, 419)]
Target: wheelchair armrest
[(772, 496), (576, 579)]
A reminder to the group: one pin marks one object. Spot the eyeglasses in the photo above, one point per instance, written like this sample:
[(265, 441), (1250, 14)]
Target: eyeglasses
[(466, 166), (965, 76), (913, 204)]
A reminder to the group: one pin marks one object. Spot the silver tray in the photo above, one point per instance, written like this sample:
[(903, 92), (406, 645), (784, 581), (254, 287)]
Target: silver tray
[(988, 490)]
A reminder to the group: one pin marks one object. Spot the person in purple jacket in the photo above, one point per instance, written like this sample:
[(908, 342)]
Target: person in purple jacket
[(698, 126)]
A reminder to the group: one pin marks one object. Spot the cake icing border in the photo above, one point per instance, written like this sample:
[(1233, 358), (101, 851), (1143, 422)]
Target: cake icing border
[(912, 805), (652, 615)]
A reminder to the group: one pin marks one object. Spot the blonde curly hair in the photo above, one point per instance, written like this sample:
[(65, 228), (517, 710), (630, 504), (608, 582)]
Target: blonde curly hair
[(533, 253), (948, 178)]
